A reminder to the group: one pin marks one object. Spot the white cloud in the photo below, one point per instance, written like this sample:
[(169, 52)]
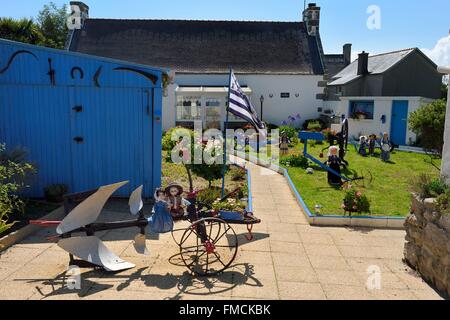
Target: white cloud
[(440, 54)]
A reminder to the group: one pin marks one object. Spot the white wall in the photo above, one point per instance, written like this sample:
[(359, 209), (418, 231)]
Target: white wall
[(276, 109), (383, 106)]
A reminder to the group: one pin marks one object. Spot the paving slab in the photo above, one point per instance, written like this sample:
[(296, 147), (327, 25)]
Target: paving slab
[(287, 259)]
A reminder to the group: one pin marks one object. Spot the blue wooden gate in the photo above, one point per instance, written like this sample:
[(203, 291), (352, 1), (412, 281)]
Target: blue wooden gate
[(399, 122), (97, 122), (111, 129)]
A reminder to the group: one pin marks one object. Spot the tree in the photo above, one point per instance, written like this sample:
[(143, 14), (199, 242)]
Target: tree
[(52, 22), (173, 143), (428, 122), (23, 30), (50, 28)]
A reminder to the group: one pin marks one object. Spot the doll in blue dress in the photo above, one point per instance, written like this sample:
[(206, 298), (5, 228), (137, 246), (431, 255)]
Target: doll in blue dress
[(161, 221), (386, 147), (362, 146)]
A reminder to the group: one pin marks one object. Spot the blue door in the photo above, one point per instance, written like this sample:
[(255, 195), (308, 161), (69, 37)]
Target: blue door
[(399, 122), (111, 133)]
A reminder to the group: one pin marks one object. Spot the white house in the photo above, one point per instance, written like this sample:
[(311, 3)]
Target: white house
[(378, 93), (281, 64)]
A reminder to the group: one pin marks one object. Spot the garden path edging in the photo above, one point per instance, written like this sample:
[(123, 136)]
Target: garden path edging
[(390, 223), (17, 236)]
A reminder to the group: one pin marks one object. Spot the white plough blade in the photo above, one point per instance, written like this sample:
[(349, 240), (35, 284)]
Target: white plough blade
[(93, 250), (140, 244), (135, 201), (88, 211)]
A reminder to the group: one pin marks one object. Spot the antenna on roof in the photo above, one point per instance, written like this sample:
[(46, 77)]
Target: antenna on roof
[(304, 5)]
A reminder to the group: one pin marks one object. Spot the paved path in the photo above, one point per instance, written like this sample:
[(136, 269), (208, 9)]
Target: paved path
[(288, 260)]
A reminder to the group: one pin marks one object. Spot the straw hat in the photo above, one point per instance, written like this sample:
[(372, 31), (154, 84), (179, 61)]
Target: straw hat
[(174, 185)]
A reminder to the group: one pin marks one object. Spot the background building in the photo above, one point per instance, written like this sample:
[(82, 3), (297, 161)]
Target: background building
[(283, 62), (377, 93)]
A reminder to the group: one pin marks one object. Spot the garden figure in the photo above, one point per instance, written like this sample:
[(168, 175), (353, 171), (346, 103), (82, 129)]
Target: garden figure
[(176, 202), (161, 221), (284, 144), (362, 146), (385, 148), (334, 162), (372, 141)]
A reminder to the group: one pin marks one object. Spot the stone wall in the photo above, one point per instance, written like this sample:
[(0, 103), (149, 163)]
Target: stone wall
[(428, 243)]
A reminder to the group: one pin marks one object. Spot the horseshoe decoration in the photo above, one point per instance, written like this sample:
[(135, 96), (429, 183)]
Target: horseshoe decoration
[(148, 75), (15, 54), (97, 76), (80, 71)]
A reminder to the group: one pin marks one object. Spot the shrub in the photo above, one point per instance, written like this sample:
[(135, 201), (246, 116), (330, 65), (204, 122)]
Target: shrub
[(208, 196), (12, 182), (356, 201), (291, 133), (314, 126), (428, 122), (3, 221), (427, 187), (167, 144), (443, 202), (322, 123), (238, 174), (296, 161)]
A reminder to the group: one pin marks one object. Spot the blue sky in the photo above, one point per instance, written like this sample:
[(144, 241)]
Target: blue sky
[(404, 23)]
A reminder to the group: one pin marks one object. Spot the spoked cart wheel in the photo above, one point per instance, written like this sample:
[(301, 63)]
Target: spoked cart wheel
[(208, 247), (364, 178)]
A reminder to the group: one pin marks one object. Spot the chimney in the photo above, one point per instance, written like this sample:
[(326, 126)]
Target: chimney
[(79, 14), (311, 18), (363, 64), (347, 53)]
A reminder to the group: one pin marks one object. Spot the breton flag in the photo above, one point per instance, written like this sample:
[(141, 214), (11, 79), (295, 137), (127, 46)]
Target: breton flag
[(240, 105)]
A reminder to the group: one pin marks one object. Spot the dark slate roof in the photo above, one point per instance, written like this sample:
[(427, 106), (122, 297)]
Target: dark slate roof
[(334, 63), (378, 64), (203, 46)]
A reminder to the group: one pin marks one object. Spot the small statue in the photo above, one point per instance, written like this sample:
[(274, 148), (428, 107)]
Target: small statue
[(334, 162), (362, 146), (175, 199), (372, 141), (284, 144), (385, 148), (161, 221)]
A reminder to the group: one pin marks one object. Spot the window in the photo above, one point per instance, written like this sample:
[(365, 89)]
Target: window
[(213, 113), (362, 110), (189, 108)]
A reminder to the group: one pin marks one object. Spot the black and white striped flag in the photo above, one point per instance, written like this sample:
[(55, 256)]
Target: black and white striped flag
[(240, 105)]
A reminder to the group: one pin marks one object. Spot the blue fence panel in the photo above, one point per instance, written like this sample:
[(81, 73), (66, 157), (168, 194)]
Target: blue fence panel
[(85, 121)]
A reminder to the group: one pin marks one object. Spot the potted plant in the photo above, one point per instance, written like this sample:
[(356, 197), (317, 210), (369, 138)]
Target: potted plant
[(360, 115), (55, 192), (230, 209), (355, 202)]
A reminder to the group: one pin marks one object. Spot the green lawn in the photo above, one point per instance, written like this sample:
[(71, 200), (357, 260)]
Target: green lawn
[(389, 192)]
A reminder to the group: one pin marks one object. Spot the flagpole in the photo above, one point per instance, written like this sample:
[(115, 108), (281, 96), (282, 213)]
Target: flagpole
[(225, 137)]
